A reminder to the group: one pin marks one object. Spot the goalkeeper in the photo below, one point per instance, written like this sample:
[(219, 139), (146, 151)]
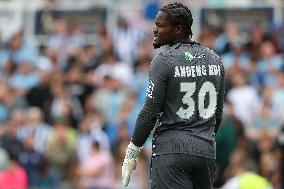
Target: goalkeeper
[(185, 96)]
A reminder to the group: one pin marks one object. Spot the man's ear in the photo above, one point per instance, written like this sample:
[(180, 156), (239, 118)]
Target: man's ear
[(178, 29)]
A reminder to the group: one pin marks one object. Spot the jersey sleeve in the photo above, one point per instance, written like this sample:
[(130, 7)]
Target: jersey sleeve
[(158, 77)]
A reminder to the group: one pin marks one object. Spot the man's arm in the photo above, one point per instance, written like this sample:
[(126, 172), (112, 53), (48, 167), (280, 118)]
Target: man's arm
[(144, 125), (158, 77), (159, 73)]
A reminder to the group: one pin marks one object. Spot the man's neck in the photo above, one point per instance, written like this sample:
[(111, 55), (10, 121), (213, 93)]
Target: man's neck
[(181, 40)]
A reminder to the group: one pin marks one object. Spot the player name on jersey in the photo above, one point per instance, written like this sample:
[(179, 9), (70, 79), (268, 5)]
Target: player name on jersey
[(197, 70)]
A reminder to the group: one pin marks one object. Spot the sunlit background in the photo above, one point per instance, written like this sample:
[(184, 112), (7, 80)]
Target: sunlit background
[(74, 74)]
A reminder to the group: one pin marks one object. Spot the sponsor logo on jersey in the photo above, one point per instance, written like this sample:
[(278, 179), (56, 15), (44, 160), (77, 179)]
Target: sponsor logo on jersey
[(189, 57)]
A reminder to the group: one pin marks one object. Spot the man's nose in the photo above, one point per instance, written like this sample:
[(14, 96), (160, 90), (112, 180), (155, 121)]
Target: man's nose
[(154, 30)]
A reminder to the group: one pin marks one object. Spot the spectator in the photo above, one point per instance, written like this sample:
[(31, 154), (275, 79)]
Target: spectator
[(244, 175), (76, 83), (265, 120), (268, 163), (75, 40), (46, 177), (15, 101), (60, 148), (224, 41), (278, 96), (40, 96), (140, 79), (10, 142), (244, 98), (35, 128), (63, 103), (13, 176), (30, 159), (89, 57), (112, 67), (96, 171), (256, 37), (24, 78), (90, 129), (106, 43), (256, 79), (19, 48), (58, 42), (227, 139), (109, 98), (126, 39), (237, 58), (270, 63)]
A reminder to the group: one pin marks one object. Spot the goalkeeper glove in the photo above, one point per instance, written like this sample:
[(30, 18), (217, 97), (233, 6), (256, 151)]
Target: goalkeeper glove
[(130, 162)]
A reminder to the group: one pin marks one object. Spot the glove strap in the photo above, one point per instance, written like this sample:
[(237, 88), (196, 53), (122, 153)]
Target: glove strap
[(132, 151)]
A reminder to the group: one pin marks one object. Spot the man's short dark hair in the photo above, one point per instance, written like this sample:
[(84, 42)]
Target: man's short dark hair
[(179, 14)]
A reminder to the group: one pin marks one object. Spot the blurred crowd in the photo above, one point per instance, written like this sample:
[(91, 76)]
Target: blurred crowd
[(250, 141), (67, 109)]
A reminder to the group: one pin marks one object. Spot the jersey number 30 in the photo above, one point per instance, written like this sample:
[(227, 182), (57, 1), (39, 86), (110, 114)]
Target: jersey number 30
[(204, 112)]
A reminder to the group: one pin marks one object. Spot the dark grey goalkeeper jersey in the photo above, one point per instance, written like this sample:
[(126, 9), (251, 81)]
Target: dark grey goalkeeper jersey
[(187, 87)]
